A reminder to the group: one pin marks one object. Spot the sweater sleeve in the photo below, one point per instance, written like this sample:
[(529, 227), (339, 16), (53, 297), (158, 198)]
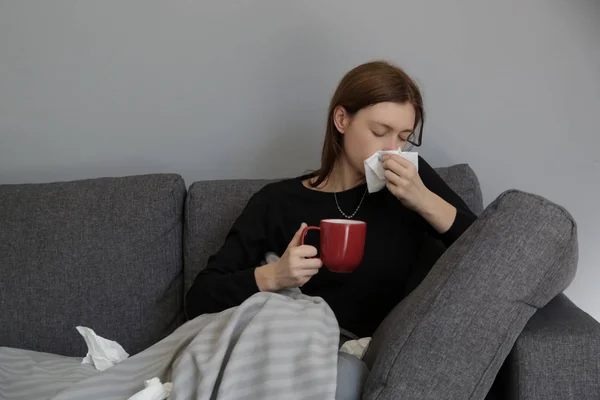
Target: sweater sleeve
[(228, 278), (464, 216)]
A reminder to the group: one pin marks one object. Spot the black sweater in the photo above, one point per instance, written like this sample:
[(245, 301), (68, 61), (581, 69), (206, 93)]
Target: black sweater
[(361, 299)]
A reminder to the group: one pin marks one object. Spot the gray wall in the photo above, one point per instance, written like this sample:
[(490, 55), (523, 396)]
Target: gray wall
[(227, 89)]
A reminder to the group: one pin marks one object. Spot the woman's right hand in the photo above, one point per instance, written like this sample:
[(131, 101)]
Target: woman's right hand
[(295, 267)]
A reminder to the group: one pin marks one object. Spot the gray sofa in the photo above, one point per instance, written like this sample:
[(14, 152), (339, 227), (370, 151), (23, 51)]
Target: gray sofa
[(117, 254)]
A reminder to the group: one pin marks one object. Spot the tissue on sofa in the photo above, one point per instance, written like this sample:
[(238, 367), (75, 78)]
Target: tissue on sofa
[(153, 390), (102, 353)]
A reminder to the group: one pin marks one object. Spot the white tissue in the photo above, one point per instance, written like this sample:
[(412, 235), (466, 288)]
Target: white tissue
[(374, 172), (102, 353), (356, 348), (154, 390)]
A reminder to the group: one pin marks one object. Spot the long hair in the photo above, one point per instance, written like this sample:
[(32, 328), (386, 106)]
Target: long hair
[(365, 85)]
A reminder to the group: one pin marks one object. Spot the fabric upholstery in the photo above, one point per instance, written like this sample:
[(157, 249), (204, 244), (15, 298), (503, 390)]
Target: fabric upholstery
[(462, 179), (103, 253), (450, 336), (210, 210), (212, 207), (557, 356)]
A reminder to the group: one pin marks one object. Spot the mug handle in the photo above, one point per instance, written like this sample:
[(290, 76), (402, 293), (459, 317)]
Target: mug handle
[(305, 231)]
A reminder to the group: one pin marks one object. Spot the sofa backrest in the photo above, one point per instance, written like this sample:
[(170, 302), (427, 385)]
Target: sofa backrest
[(107, 254), (212, 207), (102, 253)]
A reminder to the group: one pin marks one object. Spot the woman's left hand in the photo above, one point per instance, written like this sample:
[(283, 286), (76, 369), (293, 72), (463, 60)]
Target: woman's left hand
[(404, 182)]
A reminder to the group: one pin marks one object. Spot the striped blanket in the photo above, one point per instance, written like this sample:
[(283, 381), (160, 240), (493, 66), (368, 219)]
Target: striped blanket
[(273, 346)]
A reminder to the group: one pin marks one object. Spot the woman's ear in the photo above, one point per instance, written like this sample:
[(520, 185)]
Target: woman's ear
[(341, 119)]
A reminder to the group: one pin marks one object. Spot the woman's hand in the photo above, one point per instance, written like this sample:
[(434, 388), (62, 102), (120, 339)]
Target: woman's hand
[(404, 182), (294, 268)]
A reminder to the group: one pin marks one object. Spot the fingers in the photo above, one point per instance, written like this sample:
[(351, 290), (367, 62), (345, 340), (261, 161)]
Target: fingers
[(306, 273), (301, 263), (311, 263), (397, 191), (397, 159), (304, 251), (394, 178), (393, 169), (400, 175), (397, 185), (297, 239), (302, 258), (397, 181), (305, 269), (400, 166), (396, 163)]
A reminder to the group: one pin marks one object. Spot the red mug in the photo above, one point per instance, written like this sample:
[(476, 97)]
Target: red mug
[(342, 243)]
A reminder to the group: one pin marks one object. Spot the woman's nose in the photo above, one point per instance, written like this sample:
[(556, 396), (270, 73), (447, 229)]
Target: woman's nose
[(392, 144)]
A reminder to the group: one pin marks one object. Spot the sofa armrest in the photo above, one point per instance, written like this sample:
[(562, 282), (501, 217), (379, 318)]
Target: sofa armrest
[(557, 356)]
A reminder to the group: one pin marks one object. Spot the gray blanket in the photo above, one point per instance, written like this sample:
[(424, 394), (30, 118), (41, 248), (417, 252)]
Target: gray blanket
[(273, 346)]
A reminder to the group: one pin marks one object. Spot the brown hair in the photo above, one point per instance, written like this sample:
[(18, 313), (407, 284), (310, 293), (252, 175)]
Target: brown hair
[(365, 85)]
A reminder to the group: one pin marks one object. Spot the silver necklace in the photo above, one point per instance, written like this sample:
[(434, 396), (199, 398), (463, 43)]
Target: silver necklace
[(355, 211)]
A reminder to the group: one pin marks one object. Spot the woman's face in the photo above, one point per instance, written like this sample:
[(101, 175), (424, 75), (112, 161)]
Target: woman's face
[(383, 126)]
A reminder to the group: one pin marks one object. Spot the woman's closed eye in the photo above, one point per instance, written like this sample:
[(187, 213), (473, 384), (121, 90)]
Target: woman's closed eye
[(402, 136), (406, 137)]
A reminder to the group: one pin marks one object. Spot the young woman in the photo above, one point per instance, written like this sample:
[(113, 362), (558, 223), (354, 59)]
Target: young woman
[(376, 106)]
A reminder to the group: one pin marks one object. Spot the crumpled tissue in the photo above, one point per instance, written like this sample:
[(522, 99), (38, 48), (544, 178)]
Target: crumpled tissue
[(102, 353), (374, 172), (356, 348), (154, 390)]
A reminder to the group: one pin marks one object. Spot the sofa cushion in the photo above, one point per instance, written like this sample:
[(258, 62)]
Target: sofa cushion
[(557, 356), (462, 179), (212, 207), (103, 253), (450, 336), (210, 210)]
